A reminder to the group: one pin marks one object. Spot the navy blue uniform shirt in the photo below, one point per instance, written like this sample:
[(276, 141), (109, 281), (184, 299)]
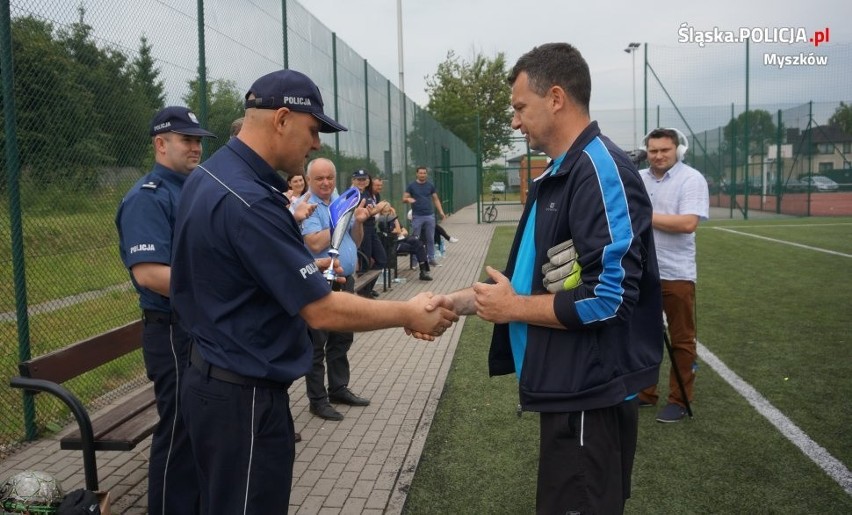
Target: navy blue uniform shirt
[(240, 269), (145, 222)]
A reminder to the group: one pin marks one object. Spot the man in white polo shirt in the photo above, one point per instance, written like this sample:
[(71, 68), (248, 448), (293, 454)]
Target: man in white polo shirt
[(680, 199)]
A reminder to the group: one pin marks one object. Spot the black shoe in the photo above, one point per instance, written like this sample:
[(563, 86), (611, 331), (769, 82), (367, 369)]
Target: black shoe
[(297, 437), (374, 293), (324, 410), (671, 413), (424, 276), (345, 396)]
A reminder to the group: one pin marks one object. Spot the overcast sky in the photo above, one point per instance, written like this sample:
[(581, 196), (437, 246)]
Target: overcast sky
[(694, 77), (600, 29)]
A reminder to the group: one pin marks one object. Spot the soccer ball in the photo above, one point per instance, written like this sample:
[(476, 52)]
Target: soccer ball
[(31, 492)]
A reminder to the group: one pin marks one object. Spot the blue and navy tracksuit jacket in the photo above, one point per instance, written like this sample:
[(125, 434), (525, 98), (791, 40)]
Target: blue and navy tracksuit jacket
[(611, 346)]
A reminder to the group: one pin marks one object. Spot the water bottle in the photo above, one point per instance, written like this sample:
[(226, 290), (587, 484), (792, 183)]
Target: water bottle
[(400, 280)]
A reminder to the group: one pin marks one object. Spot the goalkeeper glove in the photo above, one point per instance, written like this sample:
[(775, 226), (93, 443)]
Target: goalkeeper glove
[(562, 271)]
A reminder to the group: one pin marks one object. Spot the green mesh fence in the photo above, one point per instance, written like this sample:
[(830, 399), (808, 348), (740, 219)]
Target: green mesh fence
[(87, 81), (758, 149)]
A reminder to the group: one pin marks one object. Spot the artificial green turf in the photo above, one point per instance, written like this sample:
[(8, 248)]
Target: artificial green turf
[(778, 316)]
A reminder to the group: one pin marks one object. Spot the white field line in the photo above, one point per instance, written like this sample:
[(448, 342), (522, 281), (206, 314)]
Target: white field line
[(770, 226), (831, 465), (808, 247)]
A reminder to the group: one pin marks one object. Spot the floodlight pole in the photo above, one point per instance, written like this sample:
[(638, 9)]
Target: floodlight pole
[(399, 45), (631, 49), (404, 120)]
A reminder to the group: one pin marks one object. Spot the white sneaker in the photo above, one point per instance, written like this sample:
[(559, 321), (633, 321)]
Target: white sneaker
[(453, 239)]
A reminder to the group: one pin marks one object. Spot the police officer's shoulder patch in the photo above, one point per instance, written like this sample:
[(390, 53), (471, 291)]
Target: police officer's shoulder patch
[(152, 184)]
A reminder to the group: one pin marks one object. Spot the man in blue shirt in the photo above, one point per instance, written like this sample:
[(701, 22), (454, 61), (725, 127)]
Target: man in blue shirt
[(331, 347), (424, 200), (246, 288), (145, 222)]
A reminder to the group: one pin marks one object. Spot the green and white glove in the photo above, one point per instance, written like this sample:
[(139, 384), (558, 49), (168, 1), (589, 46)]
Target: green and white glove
[(562, 271)]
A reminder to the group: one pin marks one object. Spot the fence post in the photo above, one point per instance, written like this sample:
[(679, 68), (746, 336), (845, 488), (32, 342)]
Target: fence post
[(779, 168), (389, 155), (202, 78), (336, 104), (746, 142), (13, 175), (285, 49), (367, 114), (810, 152), (733, 162)]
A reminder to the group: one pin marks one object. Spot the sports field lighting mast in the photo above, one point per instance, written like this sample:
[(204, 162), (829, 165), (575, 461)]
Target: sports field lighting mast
[(631, 49), (403, 120)]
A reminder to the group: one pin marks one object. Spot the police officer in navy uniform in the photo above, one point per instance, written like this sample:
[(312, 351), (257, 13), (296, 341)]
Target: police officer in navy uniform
[(246, 288), (145, 223)]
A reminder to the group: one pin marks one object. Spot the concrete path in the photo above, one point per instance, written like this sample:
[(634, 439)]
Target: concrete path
[(363, 464)]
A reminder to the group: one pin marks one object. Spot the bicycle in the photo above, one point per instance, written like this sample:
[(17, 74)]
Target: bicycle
[(490, 211)]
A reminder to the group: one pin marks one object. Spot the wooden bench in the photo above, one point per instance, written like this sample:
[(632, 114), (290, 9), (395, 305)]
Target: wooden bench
[(365, 279), (116, 428)]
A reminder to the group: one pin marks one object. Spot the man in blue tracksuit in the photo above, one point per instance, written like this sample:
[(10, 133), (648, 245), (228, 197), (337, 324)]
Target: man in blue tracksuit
[(581, 355)]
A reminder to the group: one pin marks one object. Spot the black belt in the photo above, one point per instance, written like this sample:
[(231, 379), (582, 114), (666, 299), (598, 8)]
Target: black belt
[(159, 317), (231, 377)]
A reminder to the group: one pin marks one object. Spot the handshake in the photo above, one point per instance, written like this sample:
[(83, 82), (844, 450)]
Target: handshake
[(562, 271), (433, 314)]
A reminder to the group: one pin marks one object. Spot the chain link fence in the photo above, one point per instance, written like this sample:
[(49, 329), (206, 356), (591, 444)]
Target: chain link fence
[(757, 149), (87, 79)]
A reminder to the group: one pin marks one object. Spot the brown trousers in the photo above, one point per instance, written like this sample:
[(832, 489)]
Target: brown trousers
[(679, 306)]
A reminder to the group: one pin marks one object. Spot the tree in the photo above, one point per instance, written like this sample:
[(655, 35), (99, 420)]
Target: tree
[(494, 173), (461, 90), (146, 78), (57, 135), (224, 105), (761, 131), (119, 111), (842, 118)]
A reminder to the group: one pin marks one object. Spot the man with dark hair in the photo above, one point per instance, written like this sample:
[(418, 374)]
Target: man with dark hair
[(680, 199), (246, 288), (145, 222), (424, 200), (581, 354)]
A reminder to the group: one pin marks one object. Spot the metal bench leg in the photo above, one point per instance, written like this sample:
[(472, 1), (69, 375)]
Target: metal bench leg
[(87, 437)]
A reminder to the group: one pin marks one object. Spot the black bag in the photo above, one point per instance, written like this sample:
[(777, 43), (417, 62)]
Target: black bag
[(79, 502)]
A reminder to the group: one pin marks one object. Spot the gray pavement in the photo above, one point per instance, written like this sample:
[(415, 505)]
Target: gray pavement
[(363, 464)]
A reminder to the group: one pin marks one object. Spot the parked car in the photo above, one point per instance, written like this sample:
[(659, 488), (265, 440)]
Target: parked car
[(795, 186), (820, 183), (498, 187)]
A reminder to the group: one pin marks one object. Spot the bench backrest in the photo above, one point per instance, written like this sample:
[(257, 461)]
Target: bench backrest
[(69, 362)]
